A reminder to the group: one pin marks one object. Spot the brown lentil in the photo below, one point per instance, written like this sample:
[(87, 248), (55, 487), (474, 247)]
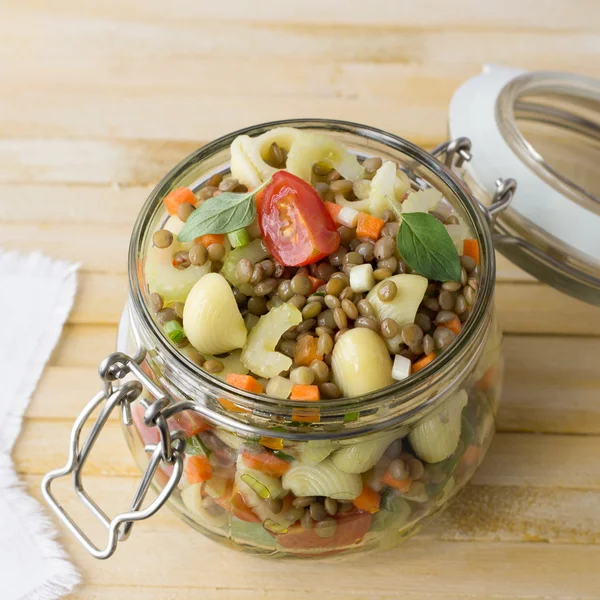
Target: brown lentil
[(350, 309), (275, 505), (366, 250), (276, 156), (416, 470), (320, 371), (347, 293), (388, 215), (216, 251), (325, 270), (346, 235), (372, 164), (178, 309), (287, 347), (265, 287), (381, 274), (335, 286), (216, 266), (390, 230), (185, 210), (469, 295), (326, 319), (388, 263), (214, 180), (340, 318), (198, 255), (428, 344), (333, 175), (468, 263), (332, 302), (460, 304), (451, 286), (446, 300), (293, 514), (162, 238), (336, 258), (257, 274), (257, 305), (301, 285), (317, 511), (473, 283), (306, 520), (326, 528), (353, 258), (412, 335), (452, 220), (285, 290), (181, 259), (365, 309), (302, 501), (402, 267), (331, 506), (389, 328), (443, 337), (268, 267), (463, 276), (398, 469), (311, 310), (156, 302), (306, 325), (323, 330), (445, 316), (290, 334), (228, 185), (341, 186), (423, 321), (324, 344), (387, 291), (354, 244), (431, 304), (344, 507), (384, 248), (246, 288), (207, 192), (368, 322), (329, 390), (214, 366)]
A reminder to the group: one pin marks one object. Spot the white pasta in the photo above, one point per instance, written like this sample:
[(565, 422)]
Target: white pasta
[(314, 451), (211, 317), (361, 456), (403, 308), (310, 148), (361, 362), (435, 437), (322, 479), (192, 499), (248, 487), (241, 166), (232, 440)]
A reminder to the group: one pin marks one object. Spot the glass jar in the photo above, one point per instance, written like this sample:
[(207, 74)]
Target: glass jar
[(430, 431)]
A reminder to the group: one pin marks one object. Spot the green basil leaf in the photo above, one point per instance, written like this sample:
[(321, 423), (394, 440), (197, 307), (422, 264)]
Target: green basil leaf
[(427, 248), (223, 214)]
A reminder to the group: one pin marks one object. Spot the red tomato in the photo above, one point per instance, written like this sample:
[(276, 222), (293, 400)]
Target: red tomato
[(295, 225)]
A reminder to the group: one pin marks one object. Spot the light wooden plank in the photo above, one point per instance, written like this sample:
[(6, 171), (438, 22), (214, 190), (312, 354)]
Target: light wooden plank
[(543, 393), (84, 346)]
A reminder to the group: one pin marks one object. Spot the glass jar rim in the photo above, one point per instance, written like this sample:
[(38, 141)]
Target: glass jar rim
[(409, 388)]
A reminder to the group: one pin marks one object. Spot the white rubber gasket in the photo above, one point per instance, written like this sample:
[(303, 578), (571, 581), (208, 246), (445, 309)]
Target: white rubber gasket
[(473, 115)]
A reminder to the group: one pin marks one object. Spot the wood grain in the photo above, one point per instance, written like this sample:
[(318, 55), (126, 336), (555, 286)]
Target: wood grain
[(99, 99)]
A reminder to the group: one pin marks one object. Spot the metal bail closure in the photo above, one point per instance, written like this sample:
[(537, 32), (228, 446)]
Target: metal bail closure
[(170, 450)]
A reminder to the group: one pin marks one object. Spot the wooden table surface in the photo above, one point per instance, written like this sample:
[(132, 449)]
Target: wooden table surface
[(99, 98)]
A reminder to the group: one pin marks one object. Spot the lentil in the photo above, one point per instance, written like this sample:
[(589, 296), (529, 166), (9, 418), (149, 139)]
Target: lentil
[(340, 186), (460, 304), (185, 210), (306, 520), (207, 192), (214, 366), (398, 469), (428, 344), (445, 316), (384, 248), (350, 309), (431, 304), (156, 302), (317, 511), (324, 344), (265, 287), (468, 263), (372, 164), (165, 315), (365, 309), (390, 263), (469, 295), (387, 291), (326, 319), (368, 322), (162, 238), (344, 507), (340, 318), (311, 310), (326, 528), (333, 175), (423, 321), (329, 390), (381, 274), (323, 330), (389, 328), (416, 469), (257, 305), (276, 155), (331, 506), (463, 276), (228, 185), (452, 220), (257, 274), (285, 290), (346, 235), (287, 347), (198, 255), (446, 300), (302, 501), (443, 337), (216, 251), (306, 325), (347, 293), (390, 230), (412, 335)]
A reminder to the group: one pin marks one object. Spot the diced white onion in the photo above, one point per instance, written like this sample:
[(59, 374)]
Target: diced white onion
[(361, 278), (279, 387), (401, 368), (348, 217)]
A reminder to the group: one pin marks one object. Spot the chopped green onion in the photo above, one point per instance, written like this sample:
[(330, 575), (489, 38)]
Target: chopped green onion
[(239, 238), (175, 331), (283, 455), (257, 486), (353, 416)]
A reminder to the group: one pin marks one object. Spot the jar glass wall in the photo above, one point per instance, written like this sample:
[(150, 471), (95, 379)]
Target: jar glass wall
[(415, 444)]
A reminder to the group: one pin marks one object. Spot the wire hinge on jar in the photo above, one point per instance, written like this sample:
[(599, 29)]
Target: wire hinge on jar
[(170, 450)]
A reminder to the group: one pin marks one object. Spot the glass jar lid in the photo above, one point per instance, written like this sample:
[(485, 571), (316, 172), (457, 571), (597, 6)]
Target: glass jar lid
[(542, 129)]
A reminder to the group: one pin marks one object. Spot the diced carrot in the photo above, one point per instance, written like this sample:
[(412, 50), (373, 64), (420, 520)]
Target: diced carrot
[(455, 325), (230, 406), (273, 443), (471, 248), (305, 351), (191, 423), (198, 469), (305, 392), (369, 500), (423, 362), (245, 382), (489, 379), (210, 238), (333, 209), (369, 226), (174, 199), (471, 456), (316, 283), (400, 484), (266, 463)]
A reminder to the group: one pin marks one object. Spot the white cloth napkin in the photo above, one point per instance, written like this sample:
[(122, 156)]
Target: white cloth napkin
[(36, 295)]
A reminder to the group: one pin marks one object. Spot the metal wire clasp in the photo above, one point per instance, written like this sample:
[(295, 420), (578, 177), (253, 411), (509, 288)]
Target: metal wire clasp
[(170, 449)]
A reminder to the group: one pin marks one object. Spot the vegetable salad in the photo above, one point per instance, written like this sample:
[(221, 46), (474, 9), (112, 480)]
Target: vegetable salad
[(310, 274)]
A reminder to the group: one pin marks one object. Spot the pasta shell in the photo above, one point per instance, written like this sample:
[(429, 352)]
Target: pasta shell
[(240, 164), (436, 437), (322, 479), (259, 354), (192, 499), (272, 484), (403, 308), (311, 148), (211, 318), (361, 362), (361, 456)]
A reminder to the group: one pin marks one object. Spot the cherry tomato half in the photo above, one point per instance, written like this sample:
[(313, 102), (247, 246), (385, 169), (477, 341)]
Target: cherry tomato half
[(294, 222)]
